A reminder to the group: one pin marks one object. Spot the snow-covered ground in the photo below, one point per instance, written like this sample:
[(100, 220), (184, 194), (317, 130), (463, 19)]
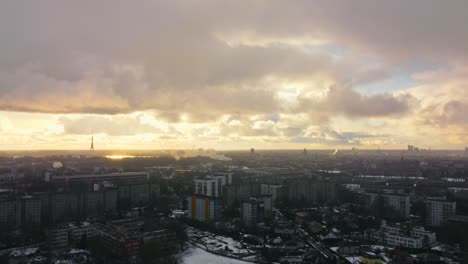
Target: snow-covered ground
[(196, 255), (223, 245)]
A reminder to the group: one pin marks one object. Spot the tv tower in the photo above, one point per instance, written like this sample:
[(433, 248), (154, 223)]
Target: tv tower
[(92, 141)]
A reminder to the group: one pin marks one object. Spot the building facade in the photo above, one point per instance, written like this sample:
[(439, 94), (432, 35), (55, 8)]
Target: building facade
[(273, 190), (267, 204), (204, 208), (252, 212), (31, 208), (397, 236), (212, 185), (439, 211), (10, 213), (239, 192), (393, 205), (311, 190)]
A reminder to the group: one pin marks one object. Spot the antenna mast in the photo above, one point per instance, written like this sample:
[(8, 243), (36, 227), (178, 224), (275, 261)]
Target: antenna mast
[(92, 140)]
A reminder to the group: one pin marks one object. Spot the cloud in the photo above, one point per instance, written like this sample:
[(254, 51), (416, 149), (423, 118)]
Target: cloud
[(110, 125), (30, 90), (343, 100), (5, 124), (397, 31), (248, 128), (332, 137), (157, 55), (453, 112), (275, 68), (351, 103), (444, 97)]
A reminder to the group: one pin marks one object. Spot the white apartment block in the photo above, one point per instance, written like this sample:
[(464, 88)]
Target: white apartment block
[(396, 236), (212, 185)]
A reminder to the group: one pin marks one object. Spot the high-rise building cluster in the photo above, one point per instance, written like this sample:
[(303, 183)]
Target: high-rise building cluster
[(295, 206)]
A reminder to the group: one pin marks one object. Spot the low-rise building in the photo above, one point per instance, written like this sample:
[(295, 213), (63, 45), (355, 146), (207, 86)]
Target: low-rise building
[(166, 238), (119, 242), (122, 239), (416, 237), (301, 217), (69, 234), (85, 229), (58, 237)]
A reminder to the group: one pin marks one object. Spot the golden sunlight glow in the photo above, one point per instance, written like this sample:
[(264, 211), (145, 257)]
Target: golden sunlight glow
[(119, 157)]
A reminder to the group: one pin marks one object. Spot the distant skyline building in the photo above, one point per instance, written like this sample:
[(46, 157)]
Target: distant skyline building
[(252, 151), (413, 148)]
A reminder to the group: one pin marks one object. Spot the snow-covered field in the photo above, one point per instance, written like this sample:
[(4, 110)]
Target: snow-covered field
[(196, 255)]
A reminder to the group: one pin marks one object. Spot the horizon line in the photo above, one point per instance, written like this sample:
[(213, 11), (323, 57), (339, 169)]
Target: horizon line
[(238, 149)]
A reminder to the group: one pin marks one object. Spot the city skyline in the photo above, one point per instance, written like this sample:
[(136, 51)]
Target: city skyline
[(233, 75)]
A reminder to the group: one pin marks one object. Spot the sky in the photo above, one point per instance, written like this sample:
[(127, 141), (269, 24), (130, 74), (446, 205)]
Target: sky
[(268, 74)]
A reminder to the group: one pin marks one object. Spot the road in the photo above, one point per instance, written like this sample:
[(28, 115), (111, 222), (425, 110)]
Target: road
[(326, 252)]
